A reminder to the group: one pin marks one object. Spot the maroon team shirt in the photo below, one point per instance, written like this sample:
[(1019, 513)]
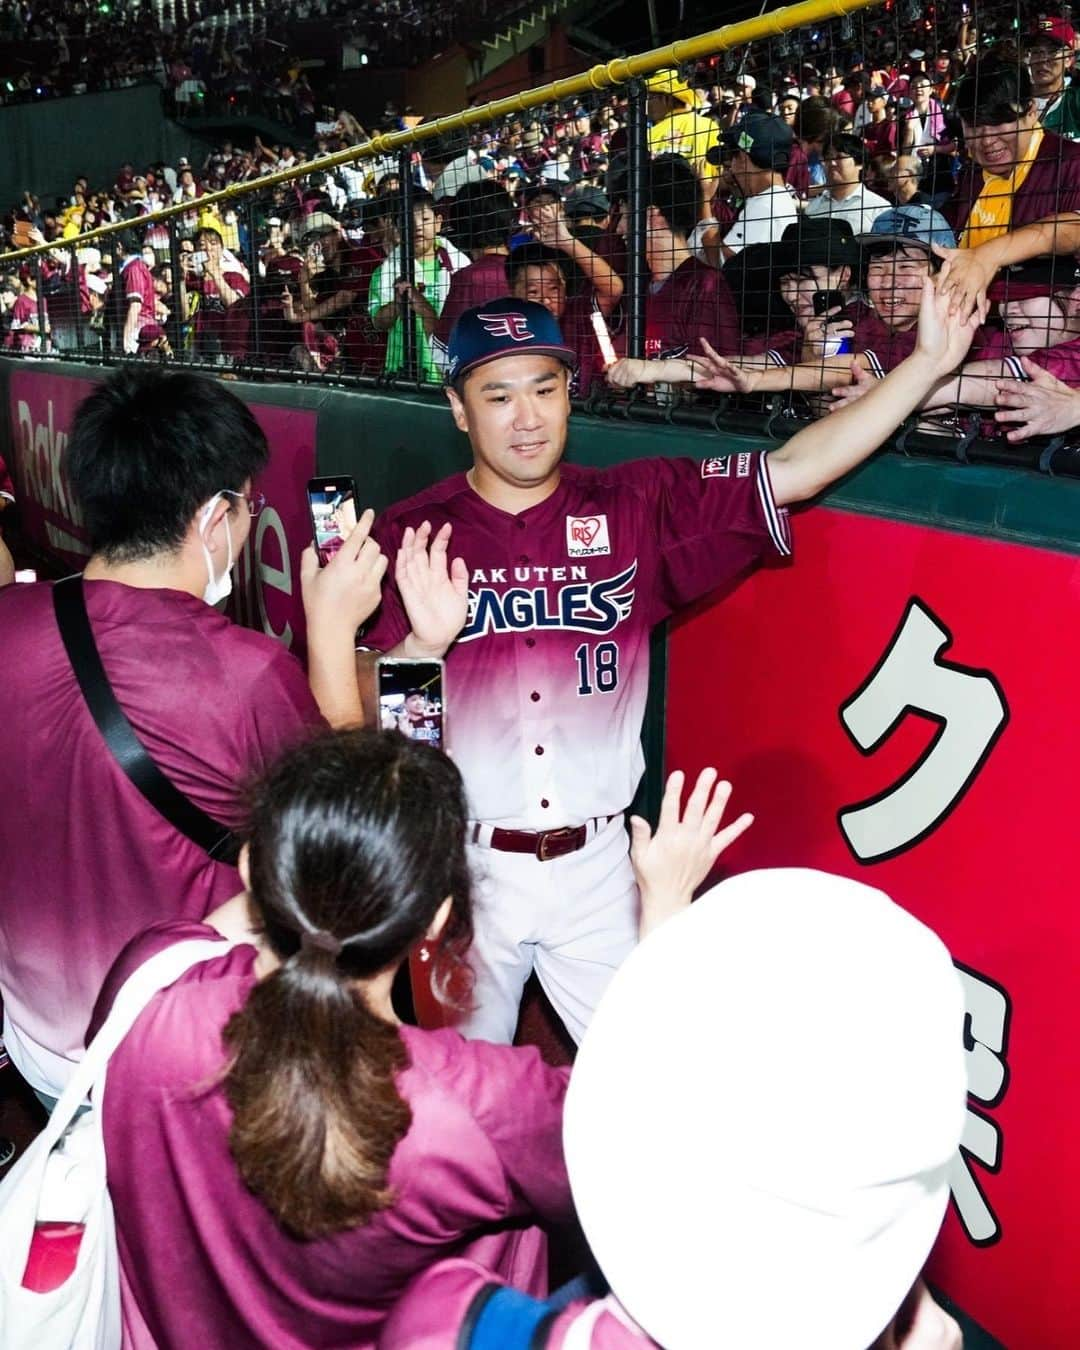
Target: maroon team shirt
[(87, 861), (1062, 361), (137, 283), (482, 1158), (694, 302), (546, 684), (478, 284), (1051, 187)]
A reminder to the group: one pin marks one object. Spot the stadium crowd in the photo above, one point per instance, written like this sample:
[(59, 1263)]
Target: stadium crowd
[(793, 214), (213, 56)]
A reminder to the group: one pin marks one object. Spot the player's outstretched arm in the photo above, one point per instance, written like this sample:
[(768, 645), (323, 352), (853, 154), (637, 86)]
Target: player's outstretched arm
[(434, 591), (832, 446), (673, 862)]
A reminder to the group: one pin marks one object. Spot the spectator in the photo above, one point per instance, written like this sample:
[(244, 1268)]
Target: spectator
[(220, 281), (924, 122), (760, 147), (335, 1153), (333, 284), (135, 300), (161, 468), (24, 332), (776, 285), (879, 132), (730, 1203), (688, 299), (846, 196), (424, 292), (1050, 51), (900, 175), (484, 218), (1040, 313), (1019, 173), (679, 127)]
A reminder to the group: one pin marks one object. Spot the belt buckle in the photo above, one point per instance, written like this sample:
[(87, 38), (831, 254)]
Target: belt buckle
[(555, 836)]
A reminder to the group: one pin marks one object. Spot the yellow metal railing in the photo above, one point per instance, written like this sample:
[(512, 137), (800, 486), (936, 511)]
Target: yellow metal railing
[(618, 71)]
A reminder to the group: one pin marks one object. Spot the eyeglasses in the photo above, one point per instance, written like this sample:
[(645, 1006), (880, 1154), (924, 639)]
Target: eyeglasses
[(254, 503)]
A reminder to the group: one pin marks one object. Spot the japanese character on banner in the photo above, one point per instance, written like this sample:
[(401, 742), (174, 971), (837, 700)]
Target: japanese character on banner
[(970, 710), (986, 1037)]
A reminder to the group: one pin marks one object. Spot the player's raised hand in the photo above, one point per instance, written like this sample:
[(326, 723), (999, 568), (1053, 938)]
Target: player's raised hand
[(673, 862), (945, 337), (965, 276), (434, 590), (1042, 404), (346, 592)]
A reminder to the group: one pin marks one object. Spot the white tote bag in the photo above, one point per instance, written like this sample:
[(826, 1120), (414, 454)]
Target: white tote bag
[(61, 1176)]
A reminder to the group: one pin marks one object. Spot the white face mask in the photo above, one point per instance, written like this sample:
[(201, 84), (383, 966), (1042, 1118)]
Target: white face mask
[(217, 588)]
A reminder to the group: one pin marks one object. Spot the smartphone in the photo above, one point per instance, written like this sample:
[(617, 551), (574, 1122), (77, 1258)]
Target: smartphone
[(332, 504), (412, 698), (826, 300)]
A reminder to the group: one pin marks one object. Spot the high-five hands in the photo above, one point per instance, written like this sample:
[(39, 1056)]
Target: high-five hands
[(673, 862), (434, 590), (346, 592)]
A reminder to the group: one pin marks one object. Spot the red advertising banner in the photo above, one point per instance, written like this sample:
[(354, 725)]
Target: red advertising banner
[(896, 706), (267, 579)]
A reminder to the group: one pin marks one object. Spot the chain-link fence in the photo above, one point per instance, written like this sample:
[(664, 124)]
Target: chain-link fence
[(742, 236)]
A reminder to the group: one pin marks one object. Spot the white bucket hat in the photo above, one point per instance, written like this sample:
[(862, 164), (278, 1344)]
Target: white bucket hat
[(762, 1114)]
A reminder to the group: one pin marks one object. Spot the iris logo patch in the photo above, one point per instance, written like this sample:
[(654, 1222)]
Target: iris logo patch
[(587, 536)]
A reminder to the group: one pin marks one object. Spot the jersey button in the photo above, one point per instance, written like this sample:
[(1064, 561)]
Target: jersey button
[(535, 696), (544, 803), (530, 642), (520, 523), (523, 558), (539, 750)]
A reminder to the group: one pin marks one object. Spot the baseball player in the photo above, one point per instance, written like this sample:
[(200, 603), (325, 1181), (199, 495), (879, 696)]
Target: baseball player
[(545, 617)]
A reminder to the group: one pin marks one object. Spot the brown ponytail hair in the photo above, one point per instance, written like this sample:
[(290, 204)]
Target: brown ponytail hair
[(356, 839)]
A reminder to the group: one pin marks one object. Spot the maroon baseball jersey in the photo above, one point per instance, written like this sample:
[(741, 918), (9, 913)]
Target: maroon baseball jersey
[(138, 284), (1062, 361), (694, 302), (546, 684)]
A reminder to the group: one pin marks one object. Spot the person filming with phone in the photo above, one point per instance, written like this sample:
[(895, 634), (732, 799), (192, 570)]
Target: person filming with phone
[(161, 467)]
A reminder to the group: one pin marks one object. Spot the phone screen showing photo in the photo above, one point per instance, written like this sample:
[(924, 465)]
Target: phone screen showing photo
[(411, 699), (333, 515)]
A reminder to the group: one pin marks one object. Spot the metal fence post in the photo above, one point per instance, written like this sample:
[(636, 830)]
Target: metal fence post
[(176, 291), (76, 297), (42, 309), (255, 344), (408, 266), (637, 136)]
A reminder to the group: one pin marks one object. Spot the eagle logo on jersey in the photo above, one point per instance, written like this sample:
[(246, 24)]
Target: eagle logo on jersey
[(512, 326), (578, 607), (587, 536)]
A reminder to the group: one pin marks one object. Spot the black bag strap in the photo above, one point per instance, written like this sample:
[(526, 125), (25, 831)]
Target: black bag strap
[(128, 751)]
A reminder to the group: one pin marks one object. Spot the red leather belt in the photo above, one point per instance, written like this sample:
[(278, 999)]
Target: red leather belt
[(543, 844)]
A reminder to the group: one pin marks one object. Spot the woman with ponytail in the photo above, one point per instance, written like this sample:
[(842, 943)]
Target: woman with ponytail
[(283, 1155)]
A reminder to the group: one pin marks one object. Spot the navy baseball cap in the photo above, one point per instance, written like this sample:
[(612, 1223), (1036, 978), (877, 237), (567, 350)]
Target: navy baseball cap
[(504, 328), (912, 224)]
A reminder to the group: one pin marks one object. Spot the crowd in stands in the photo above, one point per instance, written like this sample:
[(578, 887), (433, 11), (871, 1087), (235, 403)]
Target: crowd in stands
[(213, 56), (771, 195)]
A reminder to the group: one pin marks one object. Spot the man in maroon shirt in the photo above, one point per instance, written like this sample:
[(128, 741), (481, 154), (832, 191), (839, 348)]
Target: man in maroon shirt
[(1000, 119), (221, 283), (160, 468), (688, 300)]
